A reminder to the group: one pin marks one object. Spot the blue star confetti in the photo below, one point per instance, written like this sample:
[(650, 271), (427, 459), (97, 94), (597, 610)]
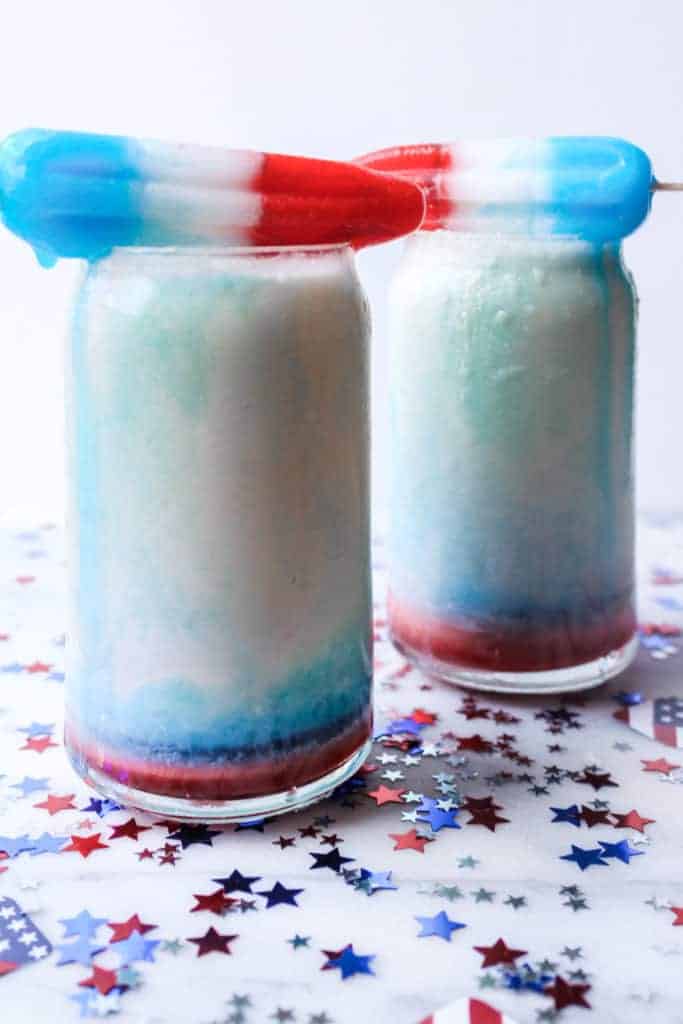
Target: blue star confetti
[(585, 858), (279, 894), (440, 925), (620, 851), (350, 963), (29, 785), (570, 814), (83, 925)]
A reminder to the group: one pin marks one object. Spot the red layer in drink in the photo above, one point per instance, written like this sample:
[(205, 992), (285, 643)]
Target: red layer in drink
[(225, 780), (531, 648)]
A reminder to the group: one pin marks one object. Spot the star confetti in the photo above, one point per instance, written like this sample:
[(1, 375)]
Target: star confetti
[(659, 765), (331, 859), (213, 942), (598, 780), (83, 925), (55, 804), (620, 851), (585, 858), (279, 894), (498, 953), (189, 835), (632, 820), (101, 979), (350, 963), (409, 841), (130, 829), (237, 882), (439, 925), (124, 929), (383, 795), (135, 948), (565, 994), (216, 902), (85, 845)]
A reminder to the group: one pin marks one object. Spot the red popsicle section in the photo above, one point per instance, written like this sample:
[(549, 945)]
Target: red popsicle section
[(316, 202)]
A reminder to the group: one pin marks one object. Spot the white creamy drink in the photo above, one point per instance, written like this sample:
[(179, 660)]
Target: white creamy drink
[(220, 642), (512, 358), (512, 539)]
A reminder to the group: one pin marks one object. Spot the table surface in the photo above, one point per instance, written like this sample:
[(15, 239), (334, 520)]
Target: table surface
[(602, 919)]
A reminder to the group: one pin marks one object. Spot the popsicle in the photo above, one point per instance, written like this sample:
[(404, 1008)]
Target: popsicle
[(79, 195), (590, 187)]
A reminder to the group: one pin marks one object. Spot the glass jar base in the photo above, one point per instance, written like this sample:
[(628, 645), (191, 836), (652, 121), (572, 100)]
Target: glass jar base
[(563, 680), (225, 812)]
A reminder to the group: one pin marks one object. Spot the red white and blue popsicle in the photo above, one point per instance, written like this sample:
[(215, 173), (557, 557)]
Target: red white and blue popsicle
[(589, 187), (80, 195)]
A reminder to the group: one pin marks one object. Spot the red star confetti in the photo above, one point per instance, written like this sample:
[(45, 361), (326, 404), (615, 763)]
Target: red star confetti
[(104, 981), (660, 765), (120, 931), (481, 803), (216, 902), (145, 854), (385, 795), (477, 744), (592, 817), (505, 718), (38, 666), (169, 858), (409, 841), (284, 841), (130, 829), (25, 579), (472, 711), (598, 780), (38, 743), (213, 942), (565, 994), (423, 717), (498, 953), (632, 820), (55, 804), (678, 912), (310, 832), (85, 845), (488, 818)]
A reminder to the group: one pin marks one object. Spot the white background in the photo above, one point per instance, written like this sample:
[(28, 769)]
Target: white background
[(334, 80)]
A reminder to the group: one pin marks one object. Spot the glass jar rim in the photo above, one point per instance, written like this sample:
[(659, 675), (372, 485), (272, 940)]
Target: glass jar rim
[(229, 249)]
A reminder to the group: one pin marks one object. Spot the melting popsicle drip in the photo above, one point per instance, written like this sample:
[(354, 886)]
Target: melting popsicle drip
[(80, 195), (594, 188)]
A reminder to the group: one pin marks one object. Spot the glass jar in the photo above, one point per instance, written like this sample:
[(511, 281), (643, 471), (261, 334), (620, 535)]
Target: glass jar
[(219, 649), (511, 554)]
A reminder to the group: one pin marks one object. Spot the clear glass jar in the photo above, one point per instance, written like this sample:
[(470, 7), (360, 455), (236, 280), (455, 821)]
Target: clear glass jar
[(219, 648), (511, 554)]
